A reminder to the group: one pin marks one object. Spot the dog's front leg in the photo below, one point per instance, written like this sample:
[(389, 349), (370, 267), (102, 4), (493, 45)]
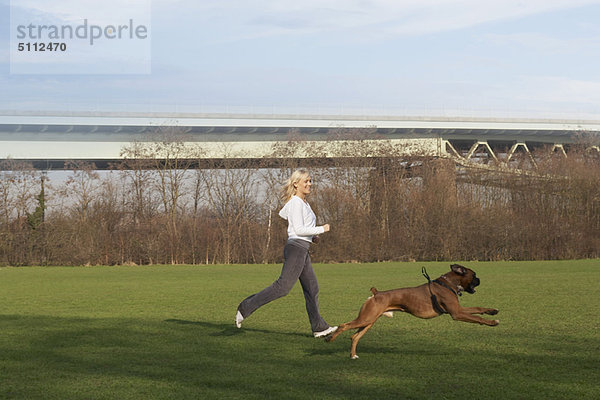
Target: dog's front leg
[(459, 313), (480, 310)]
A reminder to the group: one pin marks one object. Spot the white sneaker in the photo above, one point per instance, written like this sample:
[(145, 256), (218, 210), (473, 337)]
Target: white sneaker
[(238, 319), (326, 332)]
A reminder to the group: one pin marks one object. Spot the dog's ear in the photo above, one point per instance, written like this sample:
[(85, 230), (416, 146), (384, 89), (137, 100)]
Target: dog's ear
[(459, 269)]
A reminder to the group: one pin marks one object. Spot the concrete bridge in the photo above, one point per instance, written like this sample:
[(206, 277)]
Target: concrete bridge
[(48, 140)]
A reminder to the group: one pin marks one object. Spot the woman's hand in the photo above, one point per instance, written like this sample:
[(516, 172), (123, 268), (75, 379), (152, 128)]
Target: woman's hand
[(326, 227)]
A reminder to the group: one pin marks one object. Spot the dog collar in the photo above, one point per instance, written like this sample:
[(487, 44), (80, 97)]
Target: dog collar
[(434, 302), (439, 282)]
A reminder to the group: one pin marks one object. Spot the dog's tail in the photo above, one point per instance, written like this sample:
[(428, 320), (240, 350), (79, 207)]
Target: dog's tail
[(374, 291)]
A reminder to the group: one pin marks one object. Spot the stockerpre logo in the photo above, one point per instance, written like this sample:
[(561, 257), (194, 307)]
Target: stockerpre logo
[(83, 37)]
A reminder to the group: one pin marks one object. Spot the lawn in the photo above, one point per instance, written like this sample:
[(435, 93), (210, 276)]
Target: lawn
[(166, 332)]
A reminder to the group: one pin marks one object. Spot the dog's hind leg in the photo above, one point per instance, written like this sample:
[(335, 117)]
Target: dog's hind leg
[(341, 328), (357, 323), (368, 314), (356, 337)]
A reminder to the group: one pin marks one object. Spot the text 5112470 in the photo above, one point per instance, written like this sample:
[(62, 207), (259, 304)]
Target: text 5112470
[(42, 46)]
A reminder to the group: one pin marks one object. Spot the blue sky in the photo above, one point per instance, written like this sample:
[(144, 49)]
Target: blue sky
[(504, 58)]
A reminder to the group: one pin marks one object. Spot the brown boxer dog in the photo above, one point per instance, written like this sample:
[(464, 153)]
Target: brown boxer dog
[(429, 300)]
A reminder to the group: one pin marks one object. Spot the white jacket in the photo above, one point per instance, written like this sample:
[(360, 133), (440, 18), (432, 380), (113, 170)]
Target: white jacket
[(301, 219)]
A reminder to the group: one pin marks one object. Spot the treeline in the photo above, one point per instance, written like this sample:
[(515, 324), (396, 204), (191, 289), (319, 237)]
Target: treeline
[(158, 207)]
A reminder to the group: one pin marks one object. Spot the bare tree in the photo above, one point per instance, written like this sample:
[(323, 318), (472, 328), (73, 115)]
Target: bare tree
[(81, 187), (18, 184), (230, 193), (137, 166), (170, 159)]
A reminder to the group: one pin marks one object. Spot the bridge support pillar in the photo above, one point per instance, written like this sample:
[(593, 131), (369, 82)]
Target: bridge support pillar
[(486, 147), (559, 148)]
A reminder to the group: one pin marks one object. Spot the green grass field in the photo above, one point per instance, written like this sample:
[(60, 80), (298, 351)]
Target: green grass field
[(166, 332)]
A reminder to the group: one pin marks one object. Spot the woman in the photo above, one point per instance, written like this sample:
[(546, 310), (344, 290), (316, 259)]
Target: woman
[(302, 230)]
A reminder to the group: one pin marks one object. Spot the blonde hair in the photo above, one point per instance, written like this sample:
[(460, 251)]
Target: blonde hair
[(288, 190)]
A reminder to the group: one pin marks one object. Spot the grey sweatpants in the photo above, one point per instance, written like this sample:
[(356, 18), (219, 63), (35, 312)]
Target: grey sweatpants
[(296, 265)]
